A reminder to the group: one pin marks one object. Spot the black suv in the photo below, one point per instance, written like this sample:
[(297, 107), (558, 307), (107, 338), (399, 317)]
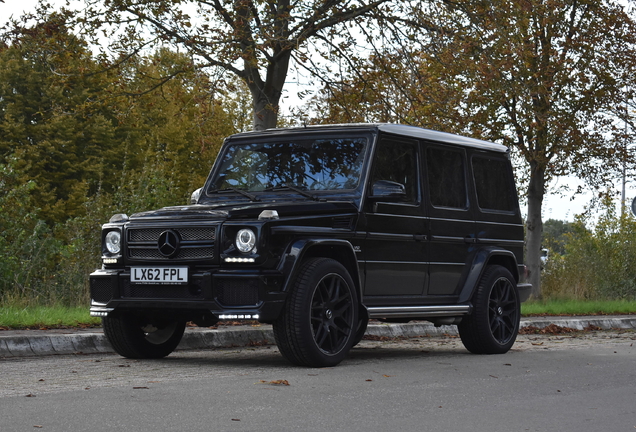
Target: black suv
[(316, 230)]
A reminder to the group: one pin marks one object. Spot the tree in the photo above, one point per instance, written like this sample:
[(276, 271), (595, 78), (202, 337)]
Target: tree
[(256, 40), (555, 234), (48, 124), (546, 78)]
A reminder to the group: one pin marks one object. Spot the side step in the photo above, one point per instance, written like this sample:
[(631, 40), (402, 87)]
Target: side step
[(417, 311)]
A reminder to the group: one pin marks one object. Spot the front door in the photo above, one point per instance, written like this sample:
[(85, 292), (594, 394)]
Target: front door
[(395, 247)]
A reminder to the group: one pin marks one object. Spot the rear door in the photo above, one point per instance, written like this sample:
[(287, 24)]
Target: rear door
[(452, 223)]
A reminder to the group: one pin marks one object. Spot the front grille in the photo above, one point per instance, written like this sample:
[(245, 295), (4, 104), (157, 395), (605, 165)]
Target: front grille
[(187, 234), (101, 290), (160, 291), (152, 253), (196, 243), (236, 292)]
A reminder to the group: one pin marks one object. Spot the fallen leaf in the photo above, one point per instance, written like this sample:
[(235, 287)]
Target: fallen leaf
[(38, 426), (140, 388), (387, 376), (41, 379), (236, 419), (494, 376), (30, 395), (369, 380), (276, 382)]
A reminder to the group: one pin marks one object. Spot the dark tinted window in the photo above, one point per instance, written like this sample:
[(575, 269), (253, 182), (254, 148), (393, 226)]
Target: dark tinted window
[(493, 184), (446, 178), (396, 161)]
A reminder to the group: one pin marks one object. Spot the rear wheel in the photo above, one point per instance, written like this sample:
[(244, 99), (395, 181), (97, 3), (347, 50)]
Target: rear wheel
[(319, 321), (493, 325), (140, 337)]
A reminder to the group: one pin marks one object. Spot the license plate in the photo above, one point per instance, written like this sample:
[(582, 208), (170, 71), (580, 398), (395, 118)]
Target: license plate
[(159, 275)]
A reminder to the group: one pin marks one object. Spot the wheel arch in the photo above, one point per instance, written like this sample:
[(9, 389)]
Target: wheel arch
[(339, 250), (477, 264)]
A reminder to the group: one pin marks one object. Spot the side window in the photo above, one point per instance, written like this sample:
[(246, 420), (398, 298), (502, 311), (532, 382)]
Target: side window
[(396, 161), (446, 177), (493, 183)]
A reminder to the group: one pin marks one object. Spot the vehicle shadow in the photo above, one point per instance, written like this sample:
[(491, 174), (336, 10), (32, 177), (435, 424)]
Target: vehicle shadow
[(269, 357)]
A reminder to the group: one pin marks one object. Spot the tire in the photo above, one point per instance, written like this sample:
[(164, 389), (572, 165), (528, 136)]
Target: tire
[(317, 327), (493, 325), (363, 323), (142, 338)]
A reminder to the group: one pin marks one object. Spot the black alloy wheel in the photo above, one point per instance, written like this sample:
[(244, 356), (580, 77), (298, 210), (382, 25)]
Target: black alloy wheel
[(493, 325), (502, 310), (318, 325), (331, 312)]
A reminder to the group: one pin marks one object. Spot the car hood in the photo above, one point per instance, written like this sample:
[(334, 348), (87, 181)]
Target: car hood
[(247, 211)]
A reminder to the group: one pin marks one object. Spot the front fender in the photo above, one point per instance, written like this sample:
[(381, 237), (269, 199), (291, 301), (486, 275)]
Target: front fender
[(301, 249)]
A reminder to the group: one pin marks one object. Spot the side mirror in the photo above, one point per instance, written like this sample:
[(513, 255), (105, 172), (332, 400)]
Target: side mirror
[(194, 198), (388, 189)]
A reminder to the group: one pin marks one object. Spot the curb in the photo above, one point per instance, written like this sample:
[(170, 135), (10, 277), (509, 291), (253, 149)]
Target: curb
[(46, 342)]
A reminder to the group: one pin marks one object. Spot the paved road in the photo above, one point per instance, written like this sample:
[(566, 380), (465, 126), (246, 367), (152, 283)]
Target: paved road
[(581, 382)]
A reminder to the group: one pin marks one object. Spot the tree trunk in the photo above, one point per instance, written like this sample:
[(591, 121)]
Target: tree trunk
[(266, 94), (534, 225)]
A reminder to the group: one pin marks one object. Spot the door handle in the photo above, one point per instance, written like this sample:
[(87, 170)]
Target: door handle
[(419, 237)]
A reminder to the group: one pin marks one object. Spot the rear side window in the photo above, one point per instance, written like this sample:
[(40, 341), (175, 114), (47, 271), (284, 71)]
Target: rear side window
[(493, 184), (446, 177)]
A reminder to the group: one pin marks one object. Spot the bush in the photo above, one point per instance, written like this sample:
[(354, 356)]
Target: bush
[(598, 264)]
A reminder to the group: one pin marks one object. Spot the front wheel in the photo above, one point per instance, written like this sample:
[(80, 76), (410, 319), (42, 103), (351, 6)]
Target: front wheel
[(319, 321), (493, 325), (143, 337)]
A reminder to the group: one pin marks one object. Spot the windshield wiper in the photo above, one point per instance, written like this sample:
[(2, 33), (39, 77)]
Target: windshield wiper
[(239, 191), (295, 189)]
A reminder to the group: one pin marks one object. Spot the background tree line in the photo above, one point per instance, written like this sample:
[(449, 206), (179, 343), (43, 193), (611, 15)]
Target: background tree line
[(126, 111), (80, 141)]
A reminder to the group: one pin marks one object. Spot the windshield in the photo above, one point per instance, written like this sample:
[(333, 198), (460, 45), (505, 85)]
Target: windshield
[(310, 164)]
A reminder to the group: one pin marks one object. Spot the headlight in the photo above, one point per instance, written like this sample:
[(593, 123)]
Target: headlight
[(113, 242), (245, 240)]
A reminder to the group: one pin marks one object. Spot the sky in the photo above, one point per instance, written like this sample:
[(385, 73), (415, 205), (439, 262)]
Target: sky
[(555, 206)]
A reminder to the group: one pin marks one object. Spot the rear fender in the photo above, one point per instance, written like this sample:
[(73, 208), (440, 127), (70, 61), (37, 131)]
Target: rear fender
[(476, 265)]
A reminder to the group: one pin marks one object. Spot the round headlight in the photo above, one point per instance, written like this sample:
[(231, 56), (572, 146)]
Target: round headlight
[(113, 242), (245, 240)]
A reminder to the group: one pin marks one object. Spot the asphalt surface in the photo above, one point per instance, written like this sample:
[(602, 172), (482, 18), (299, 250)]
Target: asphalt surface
[(24, 343)]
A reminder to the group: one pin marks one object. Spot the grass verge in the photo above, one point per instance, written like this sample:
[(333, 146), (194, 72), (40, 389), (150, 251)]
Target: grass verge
[(578, 307), (43, 317), (39, 317)]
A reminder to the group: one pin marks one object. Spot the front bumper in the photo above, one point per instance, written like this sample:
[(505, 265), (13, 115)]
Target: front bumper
[(241, 294)]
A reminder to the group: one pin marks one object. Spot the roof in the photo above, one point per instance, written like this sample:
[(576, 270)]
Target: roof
[(395, 129)]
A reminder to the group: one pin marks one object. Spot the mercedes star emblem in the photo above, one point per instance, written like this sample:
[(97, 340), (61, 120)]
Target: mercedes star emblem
[(168, 243)]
